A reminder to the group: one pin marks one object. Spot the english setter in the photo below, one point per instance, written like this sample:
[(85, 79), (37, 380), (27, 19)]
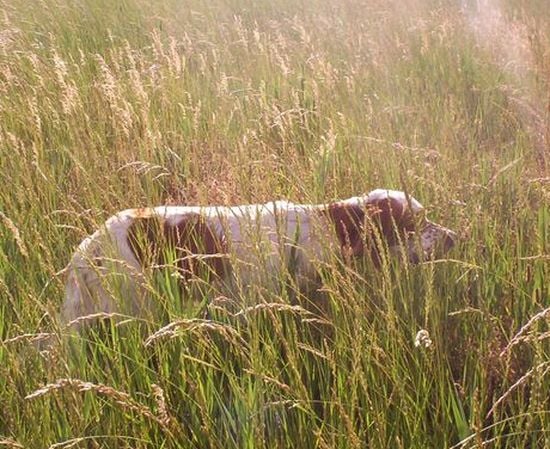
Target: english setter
[(222, 243)]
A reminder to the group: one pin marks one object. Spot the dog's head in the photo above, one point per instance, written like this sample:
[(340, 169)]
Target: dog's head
[(388, 219)]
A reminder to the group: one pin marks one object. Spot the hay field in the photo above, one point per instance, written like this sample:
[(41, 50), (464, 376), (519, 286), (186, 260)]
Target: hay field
[(108, 105)]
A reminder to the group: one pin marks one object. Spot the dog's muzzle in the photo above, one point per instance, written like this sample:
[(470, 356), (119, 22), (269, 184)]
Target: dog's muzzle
[(433, 243)]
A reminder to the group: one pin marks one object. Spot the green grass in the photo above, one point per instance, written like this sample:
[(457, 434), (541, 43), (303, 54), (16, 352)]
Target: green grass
[(111, 105)]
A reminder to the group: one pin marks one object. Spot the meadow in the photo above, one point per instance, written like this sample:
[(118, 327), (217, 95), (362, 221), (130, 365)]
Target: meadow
[(109, 105)]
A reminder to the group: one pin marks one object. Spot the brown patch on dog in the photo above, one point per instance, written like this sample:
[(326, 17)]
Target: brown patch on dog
[(393, 221), (192, 236), (354, 224), (348, 220), (156, 242), (392, 217)]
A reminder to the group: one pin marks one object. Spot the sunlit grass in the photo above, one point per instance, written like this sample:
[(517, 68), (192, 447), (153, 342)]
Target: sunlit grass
[(106, 106)]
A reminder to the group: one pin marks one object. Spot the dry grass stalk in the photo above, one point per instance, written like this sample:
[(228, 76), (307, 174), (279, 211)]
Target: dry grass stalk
[(270, 380), (12, 444), (273, 306), (538, 370), (354, 439), (32, 337), (98, 316), (290, 403), (67, 444), (172, 330), (520, 335), (163, 414), (16, 235), (118, 397), (312, 350), (318, 321)]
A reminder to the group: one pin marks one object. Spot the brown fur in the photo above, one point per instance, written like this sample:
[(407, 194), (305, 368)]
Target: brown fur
[(155, 242), (348, 223), (392, 218), (353, 225), (389, 216)]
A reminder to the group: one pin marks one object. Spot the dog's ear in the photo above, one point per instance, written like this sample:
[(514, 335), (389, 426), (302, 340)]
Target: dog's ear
[(348, 220), (390, 220), (388, 215)]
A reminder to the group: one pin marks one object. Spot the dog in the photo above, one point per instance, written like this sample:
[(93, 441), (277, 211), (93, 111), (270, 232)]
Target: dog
[(241, 244)]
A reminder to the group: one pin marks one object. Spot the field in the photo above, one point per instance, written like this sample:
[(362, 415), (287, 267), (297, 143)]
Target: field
[(108, 105)]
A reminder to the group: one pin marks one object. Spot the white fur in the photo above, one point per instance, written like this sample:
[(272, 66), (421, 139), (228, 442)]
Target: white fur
[(261, 238)]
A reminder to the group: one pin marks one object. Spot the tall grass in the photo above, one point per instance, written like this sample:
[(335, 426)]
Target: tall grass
[(105, 106)]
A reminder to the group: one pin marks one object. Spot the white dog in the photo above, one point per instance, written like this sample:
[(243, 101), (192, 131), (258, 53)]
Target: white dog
[(220, 242)]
